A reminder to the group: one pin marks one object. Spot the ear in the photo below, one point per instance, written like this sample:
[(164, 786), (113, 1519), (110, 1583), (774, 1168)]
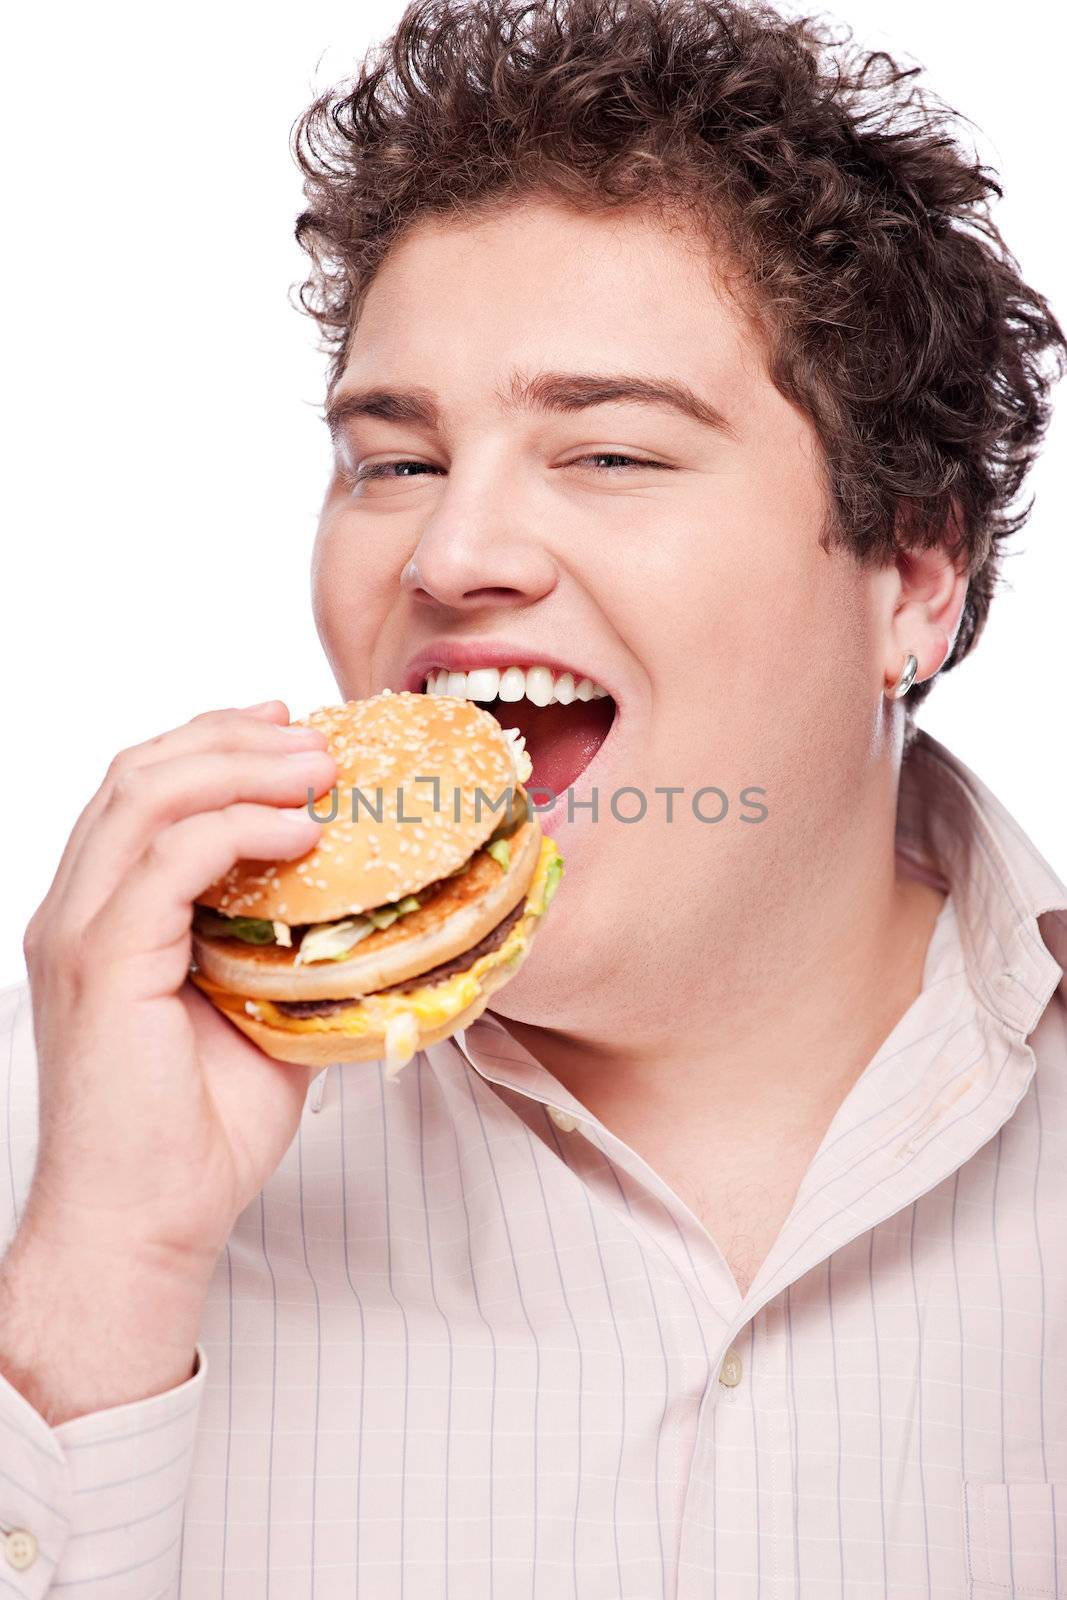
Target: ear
[(927, 590)]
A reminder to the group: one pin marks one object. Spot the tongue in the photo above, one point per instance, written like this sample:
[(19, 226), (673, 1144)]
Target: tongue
[(560, 740)]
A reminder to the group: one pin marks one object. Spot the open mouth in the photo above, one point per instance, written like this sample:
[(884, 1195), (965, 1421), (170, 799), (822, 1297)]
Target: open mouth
[(564, 718)]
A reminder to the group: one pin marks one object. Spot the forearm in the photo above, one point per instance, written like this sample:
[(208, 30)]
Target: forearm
[(82, 1329)]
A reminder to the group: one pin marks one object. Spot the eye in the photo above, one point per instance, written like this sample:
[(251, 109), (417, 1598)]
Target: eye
[(625, 462), (386, 469)]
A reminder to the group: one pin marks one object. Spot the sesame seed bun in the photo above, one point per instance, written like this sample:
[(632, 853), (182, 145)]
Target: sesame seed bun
[(383, 745)]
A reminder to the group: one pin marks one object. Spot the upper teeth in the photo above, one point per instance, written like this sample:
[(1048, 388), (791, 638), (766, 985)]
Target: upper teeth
[(540, 685)]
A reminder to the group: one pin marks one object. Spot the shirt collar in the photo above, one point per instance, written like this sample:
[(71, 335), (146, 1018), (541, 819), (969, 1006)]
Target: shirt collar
[(1011, 907), (1011, 911), (499, 1057)]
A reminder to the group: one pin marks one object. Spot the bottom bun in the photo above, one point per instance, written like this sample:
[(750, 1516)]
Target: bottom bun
[(322, 1049)]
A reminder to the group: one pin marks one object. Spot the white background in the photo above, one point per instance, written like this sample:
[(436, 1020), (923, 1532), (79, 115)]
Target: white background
[(165, 453)]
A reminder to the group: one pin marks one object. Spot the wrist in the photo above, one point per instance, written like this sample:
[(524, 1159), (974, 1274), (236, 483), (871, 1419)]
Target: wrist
[(69, 1232), (82, 1329)]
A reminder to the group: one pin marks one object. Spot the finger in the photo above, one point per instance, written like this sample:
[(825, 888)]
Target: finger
[(268, 709), (149, 914), (250, 728), (147, 799)]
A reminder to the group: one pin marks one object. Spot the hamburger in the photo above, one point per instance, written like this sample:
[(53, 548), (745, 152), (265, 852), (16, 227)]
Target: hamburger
[(421, 898)]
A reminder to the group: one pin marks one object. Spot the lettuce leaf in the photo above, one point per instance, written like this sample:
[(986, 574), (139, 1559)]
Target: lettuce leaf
[(498, 849), (385, 916), (332, 941), (329, 941), (553, 873), (253, 930)]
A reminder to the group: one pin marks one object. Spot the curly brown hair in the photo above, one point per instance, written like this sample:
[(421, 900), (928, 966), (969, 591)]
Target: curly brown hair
[(854, 227)]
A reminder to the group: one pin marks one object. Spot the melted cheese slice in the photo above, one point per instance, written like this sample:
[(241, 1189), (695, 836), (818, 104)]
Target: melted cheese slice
[(432, 1005)]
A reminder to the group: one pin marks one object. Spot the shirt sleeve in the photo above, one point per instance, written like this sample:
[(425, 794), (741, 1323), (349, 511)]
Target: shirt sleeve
[(91, 1508)]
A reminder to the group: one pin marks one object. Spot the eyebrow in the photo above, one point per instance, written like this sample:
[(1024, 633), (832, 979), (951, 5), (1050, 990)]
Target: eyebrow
[(561, 392)]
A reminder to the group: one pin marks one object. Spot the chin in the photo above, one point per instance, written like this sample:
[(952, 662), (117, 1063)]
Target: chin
[(552, 994)]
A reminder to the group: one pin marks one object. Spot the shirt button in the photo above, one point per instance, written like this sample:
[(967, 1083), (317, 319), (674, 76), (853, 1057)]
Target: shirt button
[(730, 1371), (20, 1548), (563, 1119)]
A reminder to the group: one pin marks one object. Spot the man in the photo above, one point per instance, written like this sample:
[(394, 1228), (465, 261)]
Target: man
[(670, 350)]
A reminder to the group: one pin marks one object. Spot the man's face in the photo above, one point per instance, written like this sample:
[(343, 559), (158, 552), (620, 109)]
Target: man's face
[(736, 653)]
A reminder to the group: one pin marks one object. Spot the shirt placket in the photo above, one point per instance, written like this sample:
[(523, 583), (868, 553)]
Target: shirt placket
[(738, 1532)]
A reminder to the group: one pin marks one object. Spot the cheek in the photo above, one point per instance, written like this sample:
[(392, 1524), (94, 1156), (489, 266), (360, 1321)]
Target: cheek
[(353, 587), (752, 633), (722, 589)]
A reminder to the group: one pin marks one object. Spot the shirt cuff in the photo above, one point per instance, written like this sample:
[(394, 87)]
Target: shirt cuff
[(93, 1508)]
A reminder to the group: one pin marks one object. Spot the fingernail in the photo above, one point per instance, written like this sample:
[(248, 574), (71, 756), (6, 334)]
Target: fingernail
[(261, 705)]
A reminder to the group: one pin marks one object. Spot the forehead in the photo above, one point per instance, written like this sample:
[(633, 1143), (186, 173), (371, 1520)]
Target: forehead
[(537, 284)]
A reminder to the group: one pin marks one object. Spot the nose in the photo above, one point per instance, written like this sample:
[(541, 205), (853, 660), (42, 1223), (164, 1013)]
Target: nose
[(475, 556)]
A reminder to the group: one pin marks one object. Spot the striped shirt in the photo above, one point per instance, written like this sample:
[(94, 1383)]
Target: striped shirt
[(467, 1343)]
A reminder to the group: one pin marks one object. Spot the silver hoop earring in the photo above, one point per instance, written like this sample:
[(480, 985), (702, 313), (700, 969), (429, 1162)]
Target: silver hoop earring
[(906, 679)]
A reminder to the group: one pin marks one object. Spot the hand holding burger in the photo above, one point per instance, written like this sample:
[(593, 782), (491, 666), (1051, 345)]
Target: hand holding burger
[(159, 1121), (421, 898)]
